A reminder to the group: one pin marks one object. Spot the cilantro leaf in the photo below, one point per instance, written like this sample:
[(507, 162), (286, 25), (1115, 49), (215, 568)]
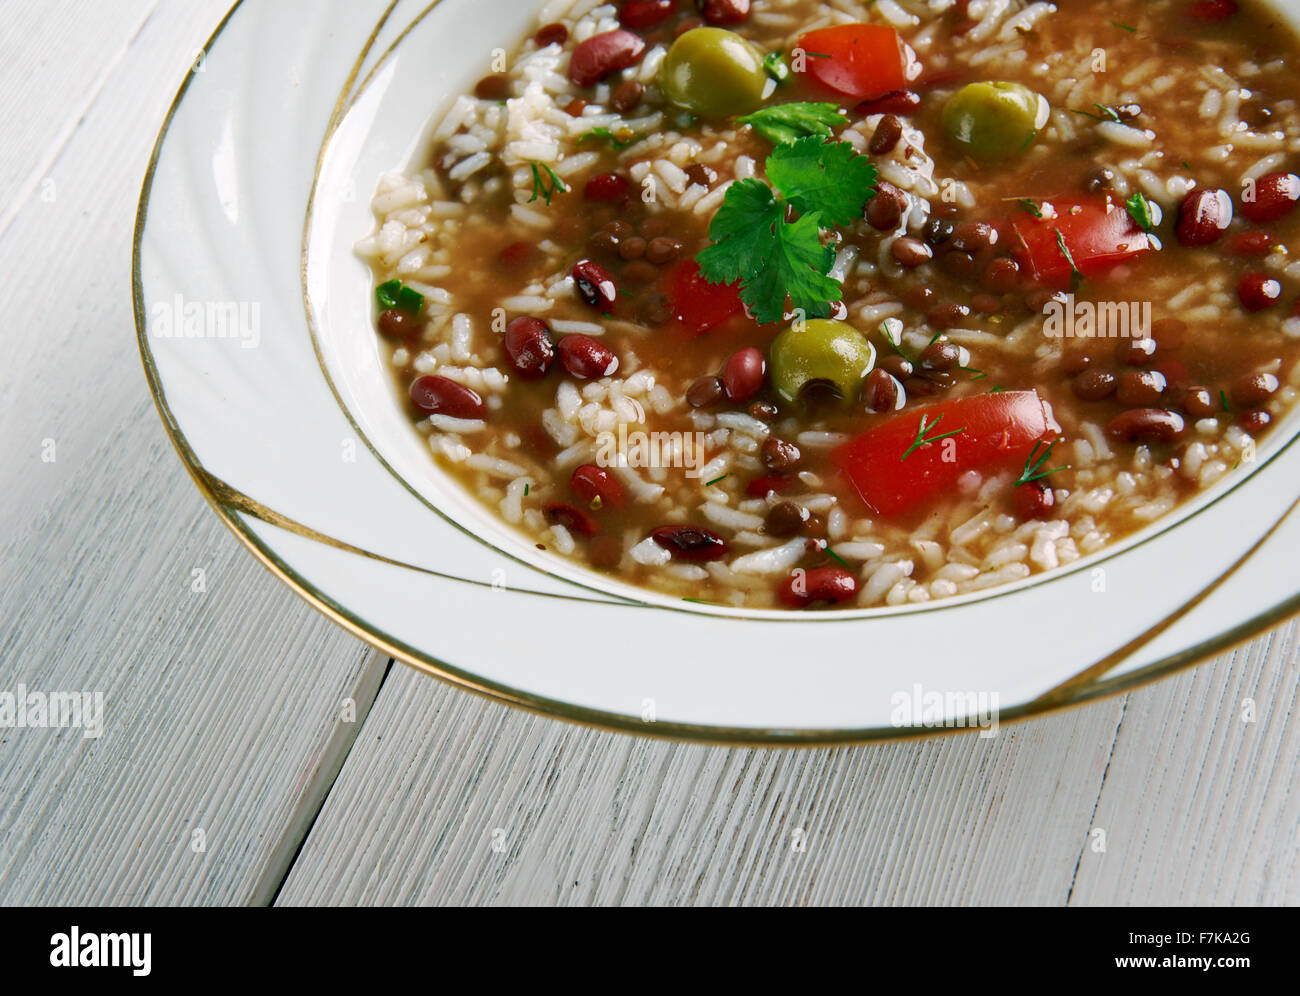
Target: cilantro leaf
[(743, 233), (826, 178), (797, 267), (784, 123), (1141, 210)]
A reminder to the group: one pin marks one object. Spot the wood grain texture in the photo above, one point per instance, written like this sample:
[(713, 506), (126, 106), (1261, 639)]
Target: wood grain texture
[(221, 705)]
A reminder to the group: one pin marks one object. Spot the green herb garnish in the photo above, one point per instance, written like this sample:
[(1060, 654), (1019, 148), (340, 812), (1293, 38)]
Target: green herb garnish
[(842, 562), (1065, 251), (1033, 467), (395, 294), (921, 439), (775, 67), (827, 184), (543, 188), (527, 488), (784, 123), (1030, 205), (1139, 209), (1223, 399), (1124, 27), (605, 135), (1105, 114), (979, 374), (716, 480)]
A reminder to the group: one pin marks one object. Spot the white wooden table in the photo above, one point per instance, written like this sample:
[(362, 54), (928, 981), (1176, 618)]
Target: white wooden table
[(225, 774)]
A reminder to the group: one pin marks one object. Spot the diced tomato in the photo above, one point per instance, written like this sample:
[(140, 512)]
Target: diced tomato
[(1097, 231), (855, 61), (699, 306), (994, 433)]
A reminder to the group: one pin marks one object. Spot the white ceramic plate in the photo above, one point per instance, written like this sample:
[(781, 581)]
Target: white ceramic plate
[(288, 422)]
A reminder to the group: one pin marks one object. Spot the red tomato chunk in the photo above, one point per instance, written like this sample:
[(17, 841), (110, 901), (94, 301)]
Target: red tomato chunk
[(997, 433)]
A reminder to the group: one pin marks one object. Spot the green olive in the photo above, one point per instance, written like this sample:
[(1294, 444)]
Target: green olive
[(824, 351), (994, 120), (713, 73)]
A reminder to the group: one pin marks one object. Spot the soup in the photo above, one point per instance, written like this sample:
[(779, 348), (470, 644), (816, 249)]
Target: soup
[(842, 304)]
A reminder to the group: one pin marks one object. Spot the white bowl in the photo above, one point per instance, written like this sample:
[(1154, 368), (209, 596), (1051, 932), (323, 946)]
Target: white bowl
[(295, 434)]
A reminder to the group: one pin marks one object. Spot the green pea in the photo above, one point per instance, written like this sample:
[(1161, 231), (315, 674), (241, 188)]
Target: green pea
[(713, 73), (820, 350), (994, 120)]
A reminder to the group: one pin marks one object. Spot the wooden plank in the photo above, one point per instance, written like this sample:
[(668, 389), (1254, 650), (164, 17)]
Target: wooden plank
[(1199, 805), (586, 817), (222, 692)]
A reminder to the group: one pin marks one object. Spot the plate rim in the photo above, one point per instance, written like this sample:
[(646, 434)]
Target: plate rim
[(230, 512)]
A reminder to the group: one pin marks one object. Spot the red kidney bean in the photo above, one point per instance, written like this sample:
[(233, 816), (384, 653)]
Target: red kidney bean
[(603, 54), (1254, 421), (1075, 362), (1203, 216), (654, 310), (551, 34), (785, 519), (821, 584), (1258, 291), (1147, 425), (885, 209), (1198, 402), (1141, 389), (705, 392), (639, 14), (1034, 500), (972, 236), (575, 107), (1251, 390), (1177, 377), (764, 411), (434, 395), (985, 304), (902, 102), (586, 358), (597, 485), (725, 12), (1001, 276), (690, 543), (1250, 244), (1137, 352), (882, 391), (492, 87), (574, 519), (909, 252), (742, 374), (662, 250), (941, 356), (948, 314), (626, 96), (605, 187), (632, 248), (1099, 178), (595, 286), (397, 324), (1211, 11), (1095, 385), (529, 347), (888, 131), (937, 230), (899, 366), (1276, 195), (780, 455)]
